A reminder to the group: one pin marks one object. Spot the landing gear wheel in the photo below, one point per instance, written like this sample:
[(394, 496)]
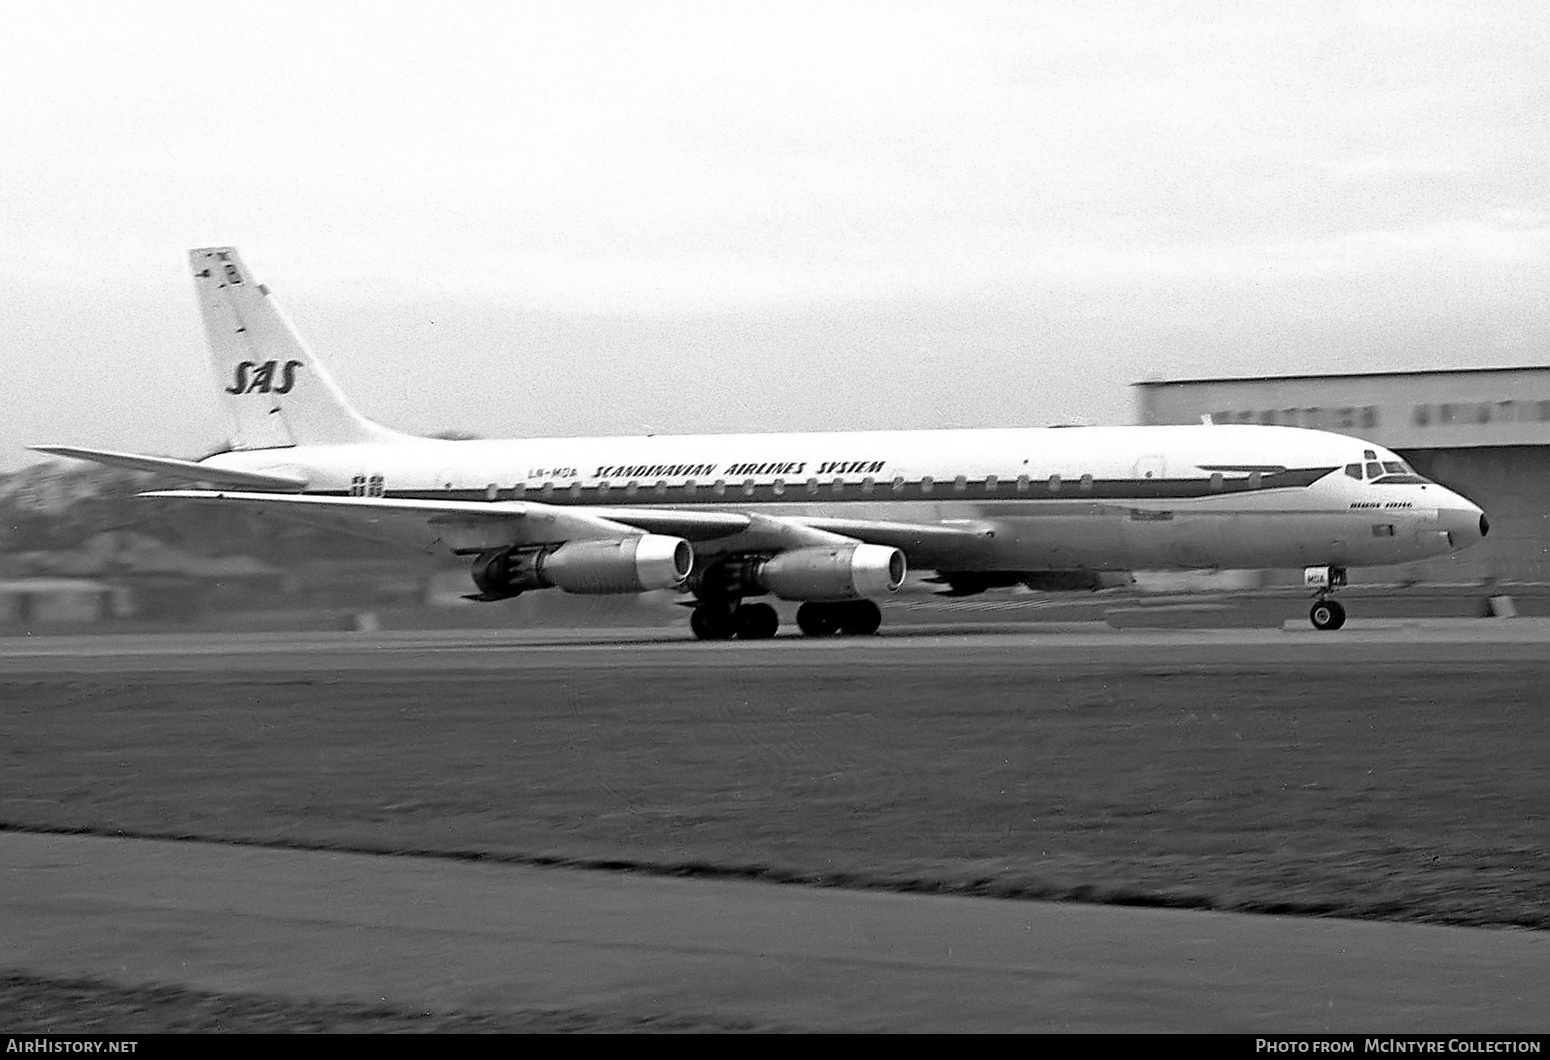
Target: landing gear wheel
[(712, 623), (755, 622), (818, 620), (1327, 614), (860, 619)]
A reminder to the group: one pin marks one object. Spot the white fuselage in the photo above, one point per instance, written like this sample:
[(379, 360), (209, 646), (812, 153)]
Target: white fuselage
[(1049, 498)]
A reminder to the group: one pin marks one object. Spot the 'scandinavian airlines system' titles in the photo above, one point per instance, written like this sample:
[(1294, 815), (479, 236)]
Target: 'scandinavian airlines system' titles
[(831, 520)]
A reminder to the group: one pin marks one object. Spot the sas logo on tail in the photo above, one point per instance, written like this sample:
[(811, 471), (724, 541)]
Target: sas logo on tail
[(259, 378)]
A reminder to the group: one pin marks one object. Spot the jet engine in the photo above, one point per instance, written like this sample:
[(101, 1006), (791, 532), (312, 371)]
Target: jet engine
[(840, 572), (631, 565)]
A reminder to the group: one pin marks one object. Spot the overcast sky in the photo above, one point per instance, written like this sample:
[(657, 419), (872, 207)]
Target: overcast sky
[(588, 218)]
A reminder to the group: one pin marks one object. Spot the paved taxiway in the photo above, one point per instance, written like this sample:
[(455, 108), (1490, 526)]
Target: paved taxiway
[(427, 932), (455, 936)]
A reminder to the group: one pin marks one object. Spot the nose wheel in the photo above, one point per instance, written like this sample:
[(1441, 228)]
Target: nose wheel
[(1327, 614)]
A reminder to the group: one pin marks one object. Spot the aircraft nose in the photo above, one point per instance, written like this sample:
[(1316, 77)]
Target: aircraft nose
[(1465, 523)]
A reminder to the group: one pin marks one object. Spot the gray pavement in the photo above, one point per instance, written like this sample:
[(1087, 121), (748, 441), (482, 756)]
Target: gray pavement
[(447, 935)]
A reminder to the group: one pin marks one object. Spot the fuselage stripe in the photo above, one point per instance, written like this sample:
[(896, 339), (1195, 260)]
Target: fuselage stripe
[(734, 494)]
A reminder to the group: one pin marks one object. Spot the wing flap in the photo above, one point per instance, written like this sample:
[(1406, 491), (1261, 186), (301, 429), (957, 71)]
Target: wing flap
[(188, 469)]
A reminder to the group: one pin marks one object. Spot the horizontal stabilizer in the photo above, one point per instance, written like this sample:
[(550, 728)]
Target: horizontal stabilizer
[(189, 469)]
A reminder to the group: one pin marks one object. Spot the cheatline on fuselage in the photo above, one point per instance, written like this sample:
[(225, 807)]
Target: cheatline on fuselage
[(828, 519)]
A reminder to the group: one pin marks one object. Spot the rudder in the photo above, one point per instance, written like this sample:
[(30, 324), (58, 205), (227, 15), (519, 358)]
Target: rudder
[(276, 390)]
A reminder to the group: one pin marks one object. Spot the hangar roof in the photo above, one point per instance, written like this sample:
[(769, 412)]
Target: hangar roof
[(1339, 375), (1448, 408)]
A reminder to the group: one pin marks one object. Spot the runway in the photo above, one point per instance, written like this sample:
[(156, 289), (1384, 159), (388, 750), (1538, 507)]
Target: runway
[(925, 647), (640, 748)]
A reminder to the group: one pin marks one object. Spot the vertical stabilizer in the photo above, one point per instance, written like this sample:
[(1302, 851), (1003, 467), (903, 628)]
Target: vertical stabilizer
[(276, 390)]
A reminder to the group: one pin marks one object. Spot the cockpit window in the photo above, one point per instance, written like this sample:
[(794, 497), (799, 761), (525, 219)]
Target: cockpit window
[(1385, 472)]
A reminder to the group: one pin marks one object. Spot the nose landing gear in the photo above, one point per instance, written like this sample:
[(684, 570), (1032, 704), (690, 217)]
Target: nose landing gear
[(1325, 613)]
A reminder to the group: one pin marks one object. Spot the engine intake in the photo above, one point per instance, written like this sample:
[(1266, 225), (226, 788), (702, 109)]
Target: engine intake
[(841, 572), (630, 565)]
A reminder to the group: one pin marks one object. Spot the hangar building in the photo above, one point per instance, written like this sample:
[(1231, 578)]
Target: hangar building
[(1484, 432)]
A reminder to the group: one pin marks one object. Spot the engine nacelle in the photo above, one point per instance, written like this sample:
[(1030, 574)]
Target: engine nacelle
[(630, 565), (839, 572)]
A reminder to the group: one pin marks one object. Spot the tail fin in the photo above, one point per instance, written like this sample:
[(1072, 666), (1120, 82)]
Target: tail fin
[(277, 391)]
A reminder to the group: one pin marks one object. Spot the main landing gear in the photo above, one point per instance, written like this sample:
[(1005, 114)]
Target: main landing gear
[(711, 620), (1325, 613), (850, 618), (715, 621)]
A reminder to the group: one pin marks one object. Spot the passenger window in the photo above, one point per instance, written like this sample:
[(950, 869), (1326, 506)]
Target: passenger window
[(1354, 470)]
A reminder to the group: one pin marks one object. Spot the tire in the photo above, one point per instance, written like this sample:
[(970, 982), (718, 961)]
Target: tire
[(818, 620), (755, 622), (711, 623), (860, 619), (1327, 615)]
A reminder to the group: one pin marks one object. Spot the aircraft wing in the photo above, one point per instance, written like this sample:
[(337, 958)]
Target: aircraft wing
[(475, 525), (951, 543), (189, 469), (456, 525)]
